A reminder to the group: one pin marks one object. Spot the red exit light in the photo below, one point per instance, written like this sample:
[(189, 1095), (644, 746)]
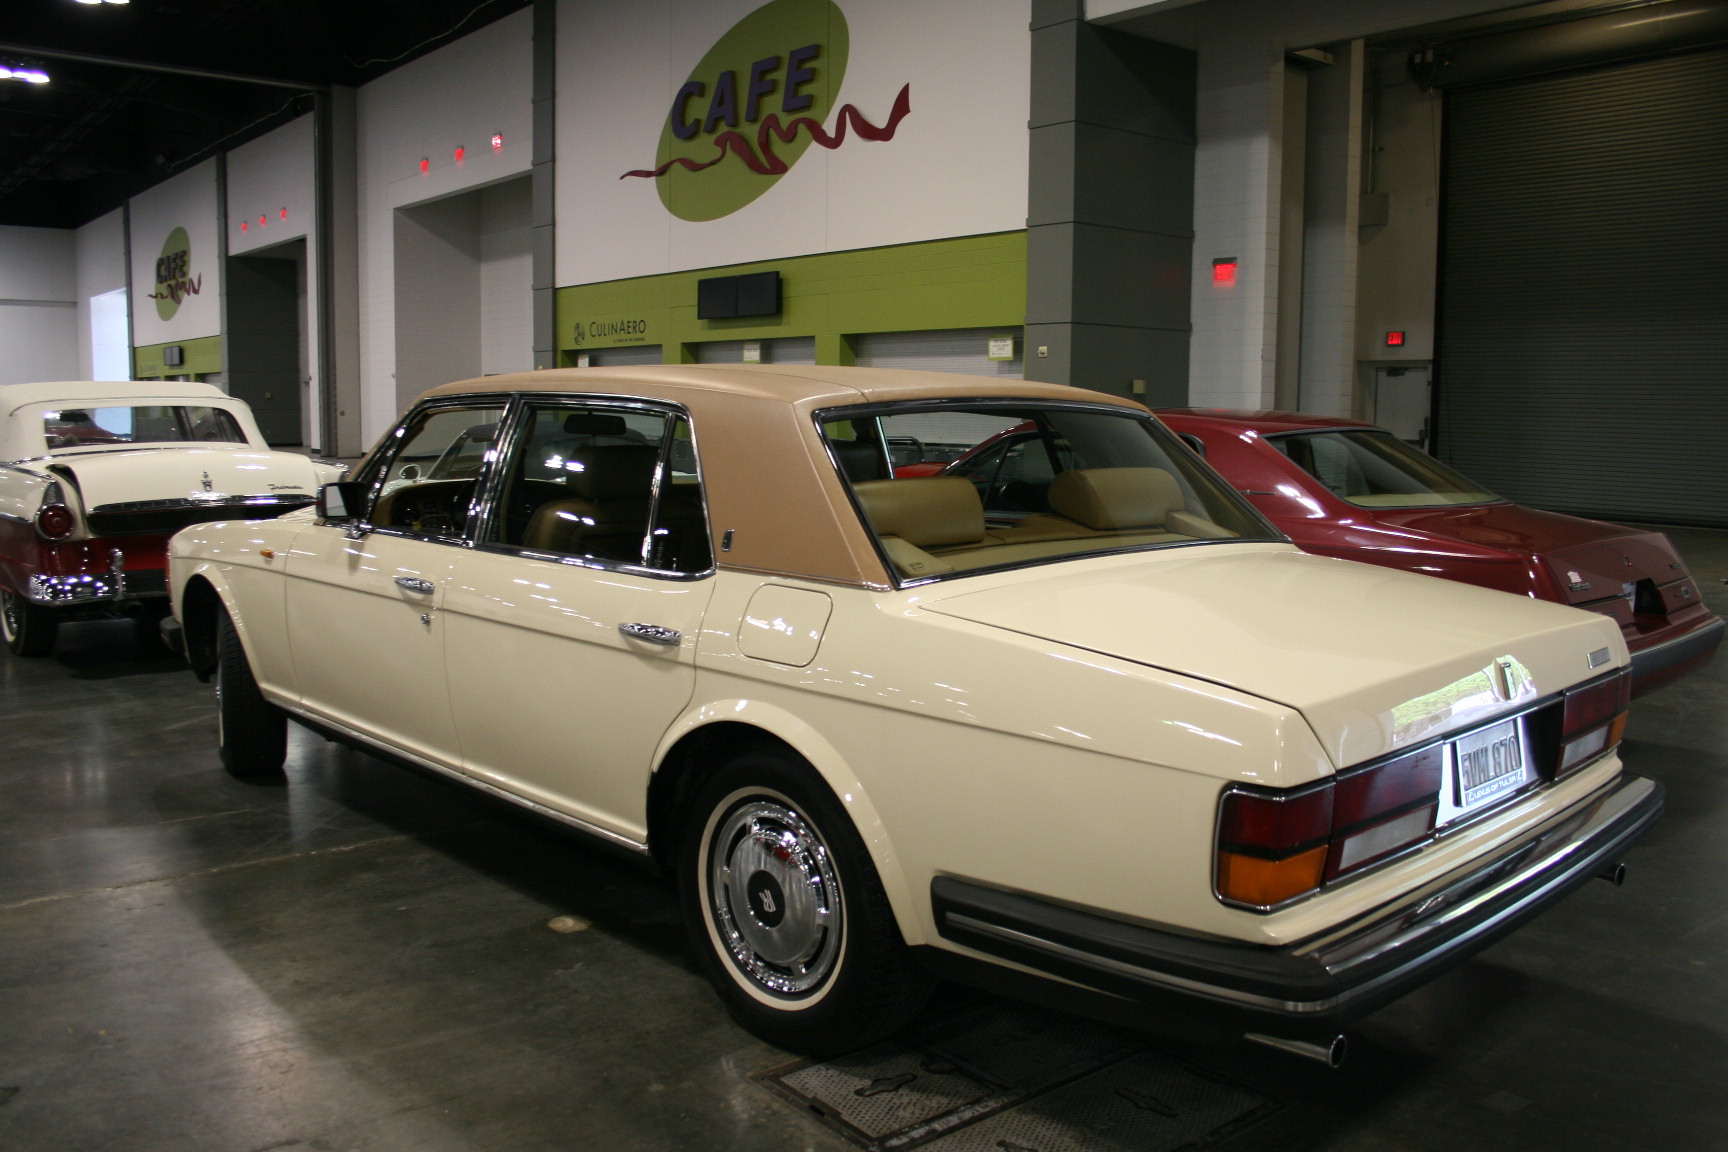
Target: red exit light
[(460, 154), (497, 141), (1394, 339), (1224, 270), (425, 165)]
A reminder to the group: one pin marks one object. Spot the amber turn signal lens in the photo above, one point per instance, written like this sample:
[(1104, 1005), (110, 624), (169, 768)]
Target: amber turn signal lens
[(1252, 880)]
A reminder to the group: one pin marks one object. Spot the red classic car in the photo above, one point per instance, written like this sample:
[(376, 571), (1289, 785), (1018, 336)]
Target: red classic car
[(1348, 489)]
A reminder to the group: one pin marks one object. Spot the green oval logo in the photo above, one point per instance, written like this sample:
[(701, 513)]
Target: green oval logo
[(174, 279), (734, 128)]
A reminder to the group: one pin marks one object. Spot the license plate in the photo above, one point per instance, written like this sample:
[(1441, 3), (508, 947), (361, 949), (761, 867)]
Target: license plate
[(1483, 768)]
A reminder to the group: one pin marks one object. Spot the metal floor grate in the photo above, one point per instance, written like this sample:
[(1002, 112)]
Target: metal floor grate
[(1010, 1078)]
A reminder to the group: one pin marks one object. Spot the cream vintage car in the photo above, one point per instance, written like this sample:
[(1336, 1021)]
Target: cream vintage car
[(96, 475), (1115, 741)]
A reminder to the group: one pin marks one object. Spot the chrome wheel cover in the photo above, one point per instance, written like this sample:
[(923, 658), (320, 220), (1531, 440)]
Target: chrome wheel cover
[(774, 897), (11, 615)]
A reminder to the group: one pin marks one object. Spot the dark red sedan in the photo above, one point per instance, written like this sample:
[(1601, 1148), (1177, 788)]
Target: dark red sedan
[(1347, 489)]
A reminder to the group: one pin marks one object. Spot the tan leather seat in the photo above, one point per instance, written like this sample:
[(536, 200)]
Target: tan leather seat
[(607, 515), (910, 516), (1115, 499)]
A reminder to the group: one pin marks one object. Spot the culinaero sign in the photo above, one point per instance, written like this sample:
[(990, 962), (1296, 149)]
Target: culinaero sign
[(753, 106)]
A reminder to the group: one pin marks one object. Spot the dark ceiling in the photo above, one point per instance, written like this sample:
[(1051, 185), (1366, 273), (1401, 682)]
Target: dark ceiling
[(97, 133)]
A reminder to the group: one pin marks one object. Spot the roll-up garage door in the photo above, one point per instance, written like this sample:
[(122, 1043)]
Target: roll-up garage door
[(1583, 348), (629, 354), (945, 350)]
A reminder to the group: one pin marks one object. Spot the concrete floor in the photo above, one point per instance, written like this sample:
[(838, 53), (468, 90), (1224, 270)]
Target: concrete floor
[(361, 960)]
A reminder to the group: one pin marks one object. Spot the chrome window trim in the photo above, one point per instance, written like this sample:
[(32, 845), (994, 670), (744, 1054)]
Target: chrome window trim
[(493, 493)]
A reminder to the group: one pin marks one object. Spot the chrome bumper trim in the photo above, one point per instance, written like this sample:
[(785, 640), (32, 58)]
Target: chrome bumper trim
[(88, 587), (1333, 977)]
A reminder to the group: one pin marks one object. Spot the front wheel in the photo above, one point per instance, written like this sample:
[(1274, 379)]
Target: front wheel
[(29, 629), (251, 732), (786, 913)]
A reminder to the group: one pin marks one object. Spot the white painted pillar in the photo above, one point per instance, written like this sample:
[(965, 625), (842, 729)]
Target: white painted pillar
[(1238, 156)]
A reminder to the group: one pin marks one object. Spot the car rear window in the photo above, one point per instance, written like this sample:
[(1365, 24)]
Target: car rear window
[(1374, 469), (140, 424), (950, 489)]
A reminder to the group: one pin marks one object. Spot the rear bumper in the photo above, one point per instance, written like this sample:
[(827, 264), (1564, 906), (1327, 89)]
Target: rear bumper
[(1318, 986), (1694, 647), (113, 584)]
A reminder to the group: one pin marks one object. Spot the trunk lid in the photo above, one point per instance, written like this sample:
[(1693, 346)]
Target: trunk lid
[(156, 489), (1374, 659)]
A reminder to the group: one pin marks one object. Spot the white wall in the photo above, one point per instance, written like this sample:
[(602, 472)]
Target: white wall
[(38, 305), (506, 279), (273, 198), (187, 201), (458, 96), (955, 167), (100, 254)]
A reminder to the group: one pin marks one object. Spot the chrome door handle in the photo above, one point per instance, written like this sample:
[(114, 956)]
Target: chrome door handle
[(653, 633), (415, 584)]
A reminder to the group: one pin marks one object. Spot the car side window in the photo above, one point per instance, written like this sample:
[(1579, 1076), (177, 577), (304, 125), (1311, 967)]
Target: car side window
[(613, 485), (428, 486)]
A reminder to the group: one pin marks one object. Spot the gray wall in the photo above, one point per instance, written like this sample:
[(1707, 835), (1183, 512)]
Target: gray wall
[(1110, 207)]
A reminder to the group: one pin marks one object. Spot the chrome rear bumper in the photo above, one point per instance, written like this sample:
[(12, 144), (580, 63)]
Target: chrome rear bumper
[(1318, 985)]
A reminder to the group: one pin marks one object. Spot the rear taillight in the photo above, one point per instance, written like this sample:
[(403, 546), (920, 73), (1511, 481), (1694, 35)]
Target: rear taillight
[(55, 521), (1274, 847), (1594, 719)]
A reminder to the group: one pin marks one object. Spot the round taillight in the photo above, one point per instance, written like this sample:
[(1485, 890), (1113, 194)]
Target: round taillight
[(55, 521)]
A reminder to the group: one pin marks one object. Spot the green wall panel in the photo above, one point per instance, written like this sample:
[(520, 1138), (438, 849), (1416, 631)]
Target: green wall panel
[(202, 356), (972, 282)]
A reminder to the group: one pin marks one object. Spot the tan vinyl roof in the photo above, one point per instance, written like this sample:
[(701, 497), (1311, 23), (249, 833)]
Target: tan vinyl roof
[(766, 471)]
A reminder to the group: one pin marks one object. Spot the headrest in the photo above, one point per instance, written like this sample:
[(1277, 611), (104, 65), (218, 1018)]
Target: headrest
[(930, 511), (1112, 499), (616, 471), (595, 424), (859, 459)]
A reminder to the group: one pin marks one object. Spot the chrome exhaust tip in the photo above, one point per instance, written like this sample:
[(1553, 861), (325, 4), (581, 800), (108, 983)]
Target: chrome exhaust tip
[(1614, 873), (1330, 1052)]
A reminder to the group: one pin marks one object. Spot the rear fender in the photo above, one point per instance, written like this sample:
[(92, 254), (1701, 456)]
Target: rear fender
[(801, 738)]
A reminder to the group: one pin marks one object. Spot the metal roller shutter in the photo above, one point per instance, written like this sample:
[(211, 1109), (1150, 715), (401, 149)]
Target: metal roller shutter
[(1583, 355), (946, 350), (630, 354), (784, 350)]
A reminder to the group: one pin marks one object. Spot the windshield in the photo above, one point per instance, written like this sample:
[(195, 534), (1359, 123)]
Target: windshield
[(959, 488), (1374, 469), (140, 424)]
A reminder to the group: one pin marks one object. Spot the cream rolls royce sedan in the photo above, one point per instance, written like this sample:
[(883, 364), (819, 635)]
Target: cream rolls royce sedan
[(1114, 743)]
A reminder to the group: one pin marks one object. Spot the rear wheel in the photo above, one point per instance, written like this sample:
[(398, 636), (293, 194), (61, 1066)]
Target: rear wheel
[(786, 913), (251, 732), (29, 628)]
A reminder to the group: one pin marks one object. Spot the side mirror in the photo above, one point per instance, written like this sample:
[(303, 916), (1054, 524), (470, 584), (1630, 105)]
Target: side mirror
[(342, 502)]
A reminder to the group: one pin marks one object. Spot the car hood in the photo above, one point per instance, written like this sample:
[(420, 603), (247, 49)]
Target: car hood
[(205, 474), (1590, 559), (1374, 659)]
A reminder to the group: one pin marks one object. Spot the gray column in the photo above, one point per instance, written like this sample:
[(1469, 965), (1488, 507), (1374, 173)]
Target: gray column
[(1110, 203), (545, 255)]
